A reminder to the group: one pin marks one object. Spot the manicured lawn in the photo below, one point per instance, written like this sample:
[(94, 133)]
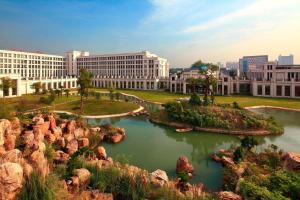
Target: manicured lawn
[(244, 101), (98, 107), (154, 96)]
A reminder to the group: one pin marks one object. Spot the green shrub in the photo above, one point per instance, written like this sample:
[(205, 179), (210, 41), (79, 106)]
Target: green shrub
[(238, 155), (195, 100), (35, 188), (49, 152)]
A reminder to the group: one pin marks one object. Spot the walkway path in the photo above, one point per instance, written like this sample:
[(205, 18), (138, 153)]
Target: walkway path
[(274, 107)]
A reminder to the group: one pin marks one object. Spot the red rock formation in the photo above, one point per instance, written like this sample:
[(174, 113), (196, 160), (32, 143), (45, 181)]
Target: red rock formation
[(183, 165), (291, 161)]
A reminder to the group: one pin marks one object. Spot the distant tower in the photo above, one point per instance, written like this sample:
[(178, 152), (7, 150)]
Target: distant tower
[(286, 60)]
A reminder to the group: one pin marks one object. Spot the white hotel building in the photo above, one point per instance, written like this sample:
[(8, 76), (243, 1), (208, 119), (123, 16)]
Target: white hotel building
[(141, 70), (27, 68)]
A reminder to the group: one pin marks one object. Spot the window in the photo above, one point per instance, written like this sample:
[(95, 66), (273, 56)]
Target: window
[(267, 90), (259, 89), (297, 91), (279, 90), (287, 91)]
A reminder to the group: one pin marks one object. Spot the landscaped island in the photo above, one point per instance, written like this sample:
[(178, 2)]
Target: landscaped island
[(225, 118)]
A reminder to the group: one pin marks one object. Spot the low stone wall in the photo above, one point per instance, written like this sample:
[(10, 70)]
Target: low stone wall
[(213, 130), (104, 116)]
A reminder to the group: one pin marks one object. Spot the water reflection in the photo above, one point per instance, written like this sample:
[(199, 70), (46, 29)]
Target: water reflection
[(151, 146)]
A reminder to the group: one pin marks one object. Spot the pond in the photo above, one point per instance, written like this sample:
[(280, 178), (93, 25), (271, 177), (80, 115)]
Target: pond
[(152, 147)]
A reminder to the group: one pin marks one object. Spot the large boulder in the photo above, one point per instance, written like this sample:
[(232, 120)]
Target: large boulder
[(57, 132), (10, 141), (44, 127), (52, 121), (14, 155), (71, 126), (5, 126), (78, 133), (159, 177), (40, 163), (291, 161), (83, 175), (227, 161), (83, 142), (38, 119), (28, 137), (117, 138), (72, 146), (101, 153), (183, 165), (11, 179), (226, 195), (15, 126), (61, 156), (38, 135)]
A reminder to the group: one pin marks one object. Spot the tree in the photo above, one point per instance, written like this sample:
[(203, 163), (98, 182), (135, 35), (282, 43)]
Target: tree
[(85, 82), (6, 84), (57, 92), (193, 82), (111, 93), (207, 78), (37, 87), (6, 109), (249, 142), (67, 91)]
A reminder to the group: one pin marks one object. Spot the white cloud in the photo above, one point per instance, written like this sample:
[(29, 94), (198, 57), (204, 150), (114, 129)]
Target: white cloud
[(260, 8)]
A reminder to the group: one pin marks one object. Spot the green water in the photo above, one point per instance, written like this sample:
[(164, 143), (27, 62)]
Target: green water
[(152, 147)]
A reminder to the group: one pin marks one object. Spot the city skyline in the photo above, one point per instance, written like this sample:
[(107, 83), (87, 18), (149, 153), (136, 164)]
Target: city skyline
[(215, 32)]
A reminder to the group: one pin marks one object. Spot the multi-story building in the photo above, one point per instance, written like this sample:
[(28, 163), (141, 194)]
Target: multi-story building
[(26, 68), (141, 70), (246, 61), (232, 65), (286, 60)]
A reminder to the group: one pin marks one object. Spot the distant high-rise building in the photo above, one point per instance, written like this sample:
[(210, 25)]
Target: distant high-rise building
[(257, 61), (286, 60), (232, 65)]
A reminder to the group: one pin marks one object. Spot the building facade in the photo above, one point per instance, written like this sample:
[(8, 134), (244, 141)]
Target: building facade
[(141, 70), (247, 61), (286, 60), (26, 68)]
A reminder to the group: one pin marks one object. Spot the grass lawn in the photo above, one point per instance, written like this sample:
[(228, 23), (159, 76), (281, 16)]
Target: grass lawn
[(244, 101), (98, 107)]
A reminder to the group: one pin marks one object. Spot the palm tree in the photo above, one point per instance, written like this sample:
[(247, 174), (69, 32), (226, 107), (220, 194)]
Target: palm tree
[(85, 82), (61, 89), (57, 92), (67, 92)]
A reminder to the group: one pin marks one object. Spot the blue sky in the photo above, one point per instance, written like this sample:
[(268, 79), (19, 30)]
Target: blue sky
[(179, 30)]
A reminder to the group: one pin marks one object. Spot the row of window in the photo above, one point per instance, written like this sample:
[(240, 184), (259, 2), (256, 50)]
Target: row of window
[(24, 56), (280, 90)]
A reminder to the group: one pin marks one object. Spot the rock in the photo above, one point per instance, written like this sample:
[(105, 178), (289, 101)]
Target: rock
[(95, 129), (291, 161), (50, 138), (83, 175), (40, 163), (15, 126), (71, 126), (101, 153), (215, 157), (27, 168), (9, 141), (14, 155), (61, 142), (83, 142), (183, 165), (38, 119), (28, 137), (5, 126), (194, 190), (117, 138), (2, 151), (72, 146), (63, 125), (44, 127), (225, 195), (78, 133), (38, 135), (160, 177), (227, 161), (52, 121), (96, 195), (68, 137), (11, 179), (57, 132), (75, 181), (61, 156)]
